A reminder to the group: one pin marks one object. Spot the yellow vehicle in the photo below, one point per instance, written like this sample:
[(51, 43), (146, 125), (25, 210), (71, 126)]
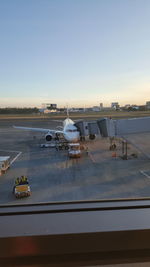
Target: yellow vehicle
[(21, 189)]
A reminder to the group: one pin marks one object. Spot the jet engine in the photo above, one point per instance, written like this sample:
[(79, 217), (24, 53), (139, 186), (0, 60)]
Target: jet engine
[(92, 136), (48, 137)]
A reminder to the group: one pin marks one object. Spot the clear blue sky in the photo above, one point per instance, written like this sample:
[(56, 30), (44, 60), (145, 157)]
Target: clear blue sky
[(79, 52)]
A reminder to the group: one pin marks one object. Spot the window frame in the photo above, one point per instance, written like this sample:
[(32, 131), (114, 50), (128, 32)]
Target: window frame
[(80, 233)]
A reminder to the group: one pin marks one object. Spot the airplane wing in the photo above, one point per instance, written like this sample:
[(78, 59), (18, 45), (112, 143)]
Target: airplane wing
[(38, 129), (58, 121)]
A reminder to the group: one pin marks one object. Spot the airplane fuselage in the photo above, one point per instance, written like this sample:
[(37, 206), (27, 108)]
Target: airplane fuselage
[(70, 131)]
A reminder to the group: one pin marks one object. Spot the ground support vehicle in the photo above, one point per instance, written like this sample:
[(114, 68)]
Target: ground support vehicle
[(47, 145), (62, 145), (74, 150), (22, 189), (4, 164)]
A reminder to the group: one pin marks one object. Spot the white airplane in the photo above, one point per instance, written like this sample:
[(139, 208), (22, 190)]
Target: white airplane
[(69, 131)]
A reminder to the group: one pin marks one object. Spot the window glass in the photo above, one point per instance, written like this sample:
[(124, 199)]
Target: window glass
[(88, 61)]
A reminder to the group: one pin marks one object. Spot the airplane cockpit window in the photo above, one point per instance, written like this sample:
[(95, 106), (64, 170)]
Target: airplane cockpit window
[(75, 100)]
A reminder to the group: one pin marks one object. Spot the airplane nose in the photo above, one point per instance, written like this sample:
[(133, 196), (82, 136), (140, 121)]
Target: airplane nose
[(72, 138)]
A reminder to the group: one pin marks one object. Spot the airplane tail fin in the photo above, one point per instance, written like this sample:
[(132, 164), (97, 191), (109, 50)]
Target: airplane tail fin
[(67, 113)]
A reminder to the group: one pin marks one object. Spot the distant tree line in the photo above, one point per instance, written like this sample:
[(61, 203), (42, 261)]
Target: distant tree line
[(19, 110), (140, 108), (135, 108)]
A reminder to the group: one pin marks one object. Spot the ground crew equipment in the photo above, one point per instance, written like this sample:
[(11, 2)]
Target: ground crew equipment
[(74, 150), (17, 181), (21, 187), (87, 150)]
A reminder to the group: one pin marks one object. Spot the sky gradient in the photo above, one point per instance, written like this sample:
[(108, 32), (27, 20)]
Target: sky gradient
[(74, 52)]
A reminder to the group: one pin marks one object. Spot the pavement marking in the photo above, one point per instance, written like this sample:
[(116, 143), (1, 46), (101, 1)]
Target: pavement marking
[(15, 158), (145, 174), (13, 151), (10, 151)]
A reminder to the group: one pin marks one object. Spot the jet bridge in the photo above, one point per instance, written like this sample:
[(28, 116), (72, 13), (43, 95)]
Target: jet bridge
[(93, 128), (110, 128), (134, 125), (106, 127), (90, 129)]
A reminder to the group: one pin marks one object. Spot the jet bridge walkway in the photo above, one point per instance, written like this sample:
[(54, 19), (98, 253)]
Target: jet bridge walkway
[(109, 127)]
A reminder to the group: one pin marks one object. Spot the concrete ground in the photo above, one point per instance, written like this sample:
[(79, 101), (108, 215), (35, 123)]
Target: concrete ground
[(101, 174)]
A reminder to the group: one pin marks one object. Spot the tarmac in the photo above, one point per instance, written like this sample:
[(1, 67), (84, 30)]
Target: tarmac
[(99, 175)]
